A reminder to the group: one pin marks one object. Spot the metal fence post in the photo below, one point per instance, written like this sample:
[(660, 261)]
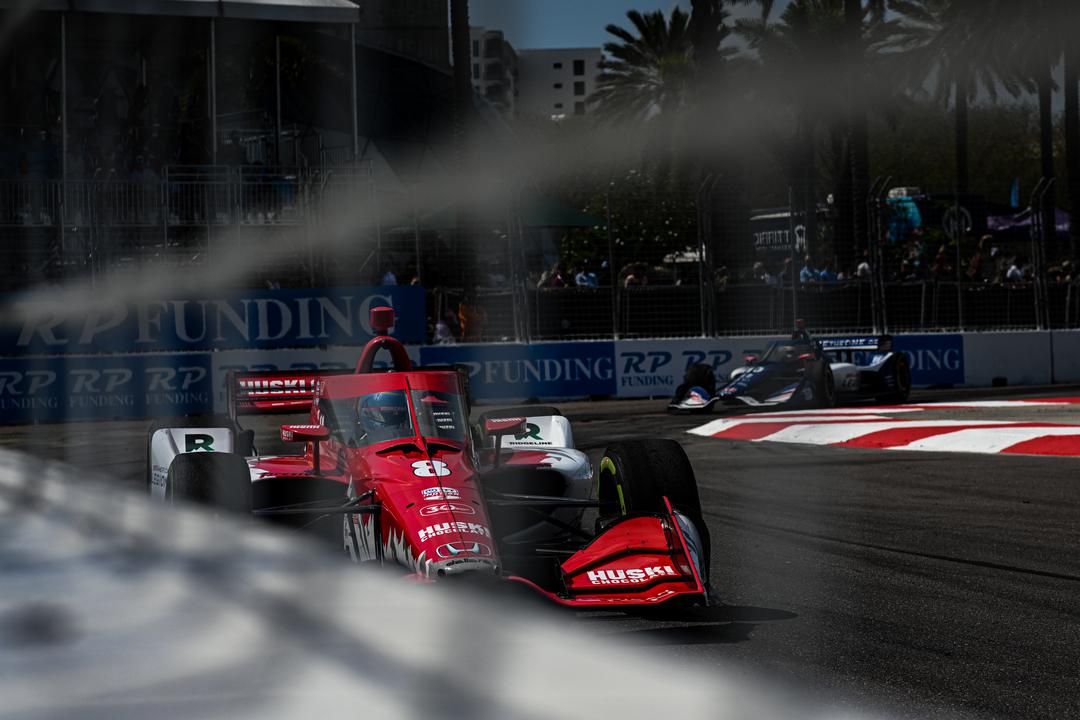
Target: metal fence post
[(706, 294), (794, 255), (612, 272)]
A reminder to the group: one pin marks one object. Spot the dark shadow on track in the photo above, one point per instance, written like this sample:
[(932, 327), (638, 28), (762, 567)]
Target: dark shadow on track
[(712, 634)]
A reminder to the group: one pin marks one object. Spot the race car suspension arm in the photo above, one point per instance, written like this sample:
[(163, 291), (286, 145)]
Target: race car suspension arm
[(537, 501), (355, 506)]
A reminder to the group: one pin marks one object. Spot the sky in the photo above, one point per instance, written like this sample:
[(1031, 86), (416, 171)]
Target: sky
[(564, 23)]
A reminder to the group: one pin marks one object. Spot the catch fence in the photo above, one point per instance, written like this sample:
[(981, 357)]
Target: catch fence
[(492, 283)]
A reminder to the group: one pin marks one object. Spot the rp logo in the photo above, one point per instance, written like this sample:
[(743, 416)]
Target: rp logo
[(532, 432), (199, 443)]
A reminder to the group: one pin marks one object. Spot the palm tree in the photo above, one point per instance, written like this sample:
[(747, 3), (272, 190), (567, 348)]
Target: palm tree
[(805, 66), (1049, 33), (649, 73), (956, 47)]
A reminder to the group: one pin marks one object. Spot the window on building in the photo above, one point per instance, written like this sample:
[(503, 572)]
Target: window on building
[(475, 48), (557, 86), (579, 108), (558, 106), (579, 67), (557, 66), (476, 71), (579, 89)]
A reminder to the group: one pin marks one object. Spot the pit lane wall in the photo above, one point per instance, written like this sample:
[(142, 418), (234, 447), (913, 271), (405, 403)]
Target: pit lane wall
[(105, 386)]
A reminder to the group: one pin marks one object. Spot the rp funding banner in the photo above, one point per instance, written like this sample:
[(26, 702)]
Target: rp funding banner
[(241, 319), (104, 387)]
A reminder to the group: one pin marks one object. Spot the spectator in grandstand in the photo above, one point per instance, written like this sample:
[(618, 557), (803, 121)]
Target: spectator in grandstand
[(907, 272), (720, 280), (941, 268), (862, 271), (637, 277), (585, 277), (558, 277), (975, 269), (760, 274), (1015, 272), (415, 280), (443, 334), (809, 274), (472, 318), (389, 278), (827, 275)]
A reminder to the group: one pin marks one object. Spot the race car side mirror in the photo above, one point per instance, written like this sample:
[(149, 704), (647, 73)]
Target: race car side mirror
[(307, 433), (750, 359), (499, 427)]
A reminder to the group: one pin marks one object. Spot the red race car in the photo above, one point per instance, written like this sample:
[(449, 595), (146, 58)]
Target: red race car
[(392, 452)]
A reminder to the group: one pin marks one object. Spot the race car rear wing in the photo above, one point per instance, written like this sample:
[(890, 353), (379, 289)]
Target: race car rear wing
[(273, 391), (262, 392), (881, 343)]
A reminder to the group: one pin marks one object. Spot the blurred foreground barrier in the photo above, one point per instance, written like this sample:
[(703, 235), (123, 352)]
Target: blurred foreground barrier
[(111, 607)]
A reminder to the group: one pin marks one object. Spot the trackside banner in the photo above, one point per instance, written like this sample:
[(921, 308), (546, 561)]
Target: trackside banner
[(245, 319), (104, 387), (540, 370), (80, 387)]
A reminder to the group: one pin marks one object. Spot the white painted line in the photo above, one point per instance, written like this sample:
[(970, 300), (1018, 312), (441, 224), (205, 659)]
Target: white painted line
[(835, 433), (985, 440), (717, 426)]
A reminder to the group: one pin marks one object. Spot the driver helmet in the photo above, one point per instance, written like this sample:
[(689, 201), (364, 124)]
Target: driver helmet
[(384, 410)]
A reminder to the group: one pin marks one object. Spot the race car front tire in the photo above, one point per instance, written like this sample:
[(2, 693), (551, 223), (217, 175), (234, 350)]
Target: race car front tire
[(824, 385), (216, 480), (902, 379), (635, 477), (699, 375)]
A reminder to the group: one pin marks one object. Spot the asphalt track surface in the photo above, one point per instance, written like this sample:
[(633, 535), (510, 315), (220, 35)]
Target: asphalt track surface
[(870, 582)]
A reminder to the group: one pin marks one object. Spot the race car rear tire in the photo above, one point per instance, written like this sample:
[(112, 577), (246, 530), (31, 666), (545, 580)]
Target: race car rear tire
[(635, 477), (824, 385), (244, 440), (217, 480), (699, 375), (902, 376)]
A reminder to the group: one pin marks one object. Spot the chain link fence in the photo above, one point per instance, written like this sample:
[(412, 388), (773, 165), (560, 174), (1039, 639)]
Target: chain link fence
[(633, 263)]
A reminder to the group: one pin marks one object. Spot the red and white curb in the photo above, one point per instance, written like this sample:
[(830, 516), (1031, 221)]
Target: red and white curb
[(880, 428)]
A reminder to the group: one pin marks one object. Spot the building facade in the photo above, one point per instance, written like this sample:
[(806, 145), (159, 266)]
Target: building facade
[(494, 68), (557, 83)]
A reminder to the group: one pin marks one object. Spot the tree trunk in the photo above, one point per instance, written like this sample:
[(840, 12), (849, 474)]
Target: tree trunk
[(859, 138), (1072, 145), (961, 98)]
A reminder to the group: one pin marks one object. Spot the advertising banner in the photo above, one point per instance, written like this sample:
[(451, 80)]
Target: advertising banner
[(241, 319), (103, 387), (936, 359), (654, 368), (541, 370)]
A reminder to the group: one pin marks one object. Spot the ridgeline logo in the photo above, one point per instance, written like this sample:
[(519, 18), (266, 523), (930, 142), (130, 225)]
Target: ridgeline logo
[(532, 432)]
